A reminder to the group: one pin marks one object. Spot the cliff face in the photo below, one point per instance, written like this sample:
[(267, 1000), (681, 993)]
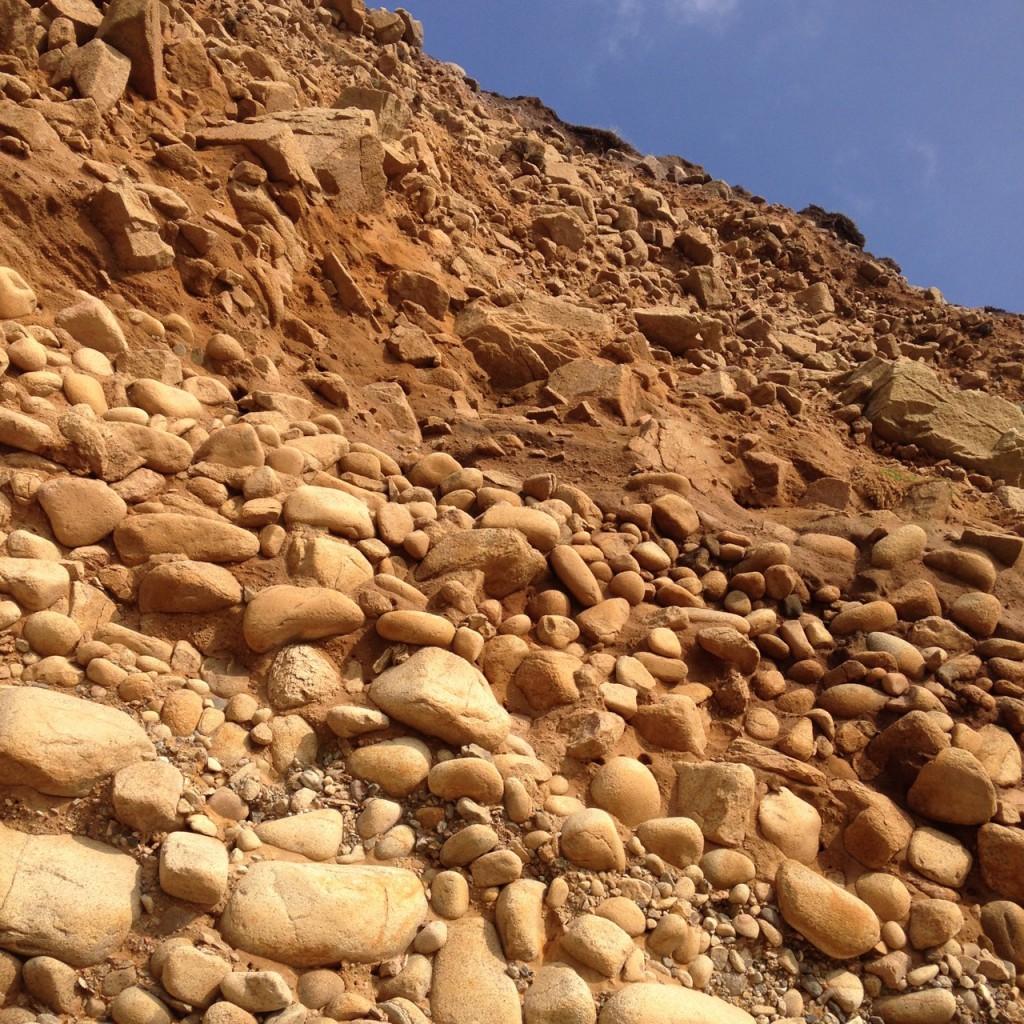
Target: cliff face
[(361, 434)]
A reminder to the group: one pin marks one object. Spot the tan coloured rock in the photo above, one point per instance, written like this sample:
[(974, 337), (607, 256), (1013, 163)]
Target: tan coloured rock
[(363, 914), (188, 587), (573, 571), (977, 612), (133, 28), (171, 533), (598, 943), (829, 917), (939, 856), (933, 923), (875, 616), (415, 627), (80, 511), (16, 296), (442, 695), (677, 840), (398, 766), (1001, 858), (675, 517), (337, 511), (65, 896), (92, 324), (505, 557), (300, 675), (718, 797), (954, 788), (194, 868), (100, 73), (929, 1006), (34, 584), (63, 745), (673, 722), (626, 789), (314, 834), (25, 433), (644, 1003), (589, 839), (547, 679), (1003, 923), (559, 995), (540, 529), (470, 777), (792, 824), (146, 795), (283, 614), (905, 544), (519, 916), (469, 979)]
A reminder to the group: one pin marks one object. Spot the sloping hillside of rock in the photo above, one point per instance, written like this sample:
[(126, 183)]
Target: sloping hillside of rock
[(361, 433)]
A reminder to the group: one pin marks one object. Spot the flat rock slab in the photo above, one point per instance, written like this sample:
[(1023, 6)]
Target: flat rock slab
[(63, 745), (65, 897), (173, 533), (312, 915)]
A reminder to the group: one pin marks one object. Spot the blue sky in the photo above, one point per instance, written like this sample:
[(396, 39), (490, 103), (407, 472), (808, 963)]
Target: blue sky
[(907, 115)]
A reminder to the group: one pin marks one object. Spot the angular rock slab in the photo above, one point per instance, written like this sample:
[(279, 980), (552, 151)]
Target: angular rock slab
[(65, 897), (646, 1003), (312, 915), (64, 745), (442, 695)]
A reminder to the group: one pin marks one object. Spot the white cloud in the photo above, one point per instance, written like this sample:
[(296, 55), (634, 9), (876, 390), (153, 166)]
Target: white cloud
[(634, 19), (927, 154)]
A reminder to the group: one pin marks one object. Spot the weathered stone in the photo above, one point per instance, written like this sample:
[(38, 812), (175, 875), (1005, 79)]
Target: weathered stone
[(644, 1003), (363, 914), (907, 403), (133, 28), (101, 73), (1001, 857), (590, 839), (300, 675), (505, 558), (16, 296), (442, 695), (188, 587), (792, 824), (954, 788), (139, 537), (283, 614), (832, 919), (598, 943), (194, 867), (64, 745), (337, 511), (718, 797), (315, 834), (469, 980), (65, 896), (626, 789), (559, 995), (124, 214), (929, 1006)]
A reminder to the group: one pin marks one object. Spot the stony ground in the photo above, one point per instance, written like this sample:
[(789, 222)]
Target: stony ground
[(456, 568)]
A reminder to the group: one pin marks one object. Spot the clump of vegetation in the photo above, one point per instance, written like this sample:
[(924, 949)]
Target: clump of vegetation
[(838, 223)]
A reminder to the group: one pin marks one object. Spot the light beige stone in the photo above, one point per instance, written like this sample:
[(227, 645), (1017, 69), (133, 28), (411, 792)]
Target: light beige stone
[(363, 914)]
